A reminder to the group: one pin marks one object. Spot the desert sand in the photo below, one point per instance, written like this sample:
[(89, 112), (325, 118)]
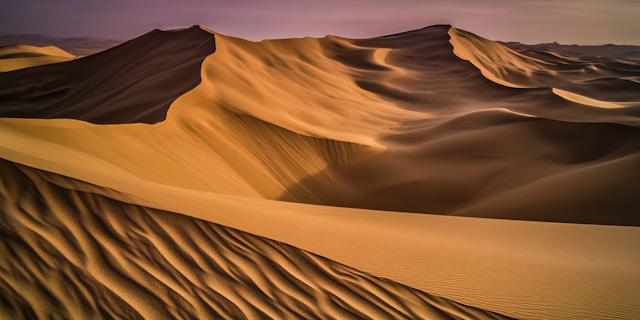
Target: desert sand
[(211, 130), (88, 256), (23, 56)]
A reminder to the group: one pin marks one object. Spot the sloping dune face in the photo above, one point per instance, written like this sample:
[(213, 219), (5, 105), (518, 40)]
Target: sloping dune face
[(600, 78), (251, 128), (22, 56), (434, 120), (426, 131), (489, 150), (134, 82), (76, 254)]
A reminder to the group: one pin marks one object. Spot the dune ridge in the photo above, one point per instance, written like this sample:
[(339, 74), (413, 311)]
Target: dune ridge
[(87, 256), (23, 56), (134, 82), (599, 79), (206, 144), (525, 263), (472, 156)]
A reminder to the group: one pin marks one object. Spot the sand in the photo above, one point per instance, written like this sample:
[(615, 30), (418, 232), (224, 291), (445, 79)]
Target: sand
[(23, 56), (132, 83), (431, 121), (88, 256)]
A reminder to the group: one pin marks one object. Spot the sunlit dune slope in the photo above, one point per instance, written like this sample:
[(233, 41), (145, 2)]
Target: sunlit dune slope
[(522, 269), (596, 77), (213, 139), (489, 150), (22, 56), (87, 256)]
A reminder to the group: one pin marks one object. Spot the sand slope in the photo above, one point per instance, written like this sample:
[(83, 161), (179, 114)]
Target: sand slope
[(597, 77), (212, 140), (23, 56), (133, 82), (517, 268), (425, 130), (491, 150), (82, 255), (400, 123)]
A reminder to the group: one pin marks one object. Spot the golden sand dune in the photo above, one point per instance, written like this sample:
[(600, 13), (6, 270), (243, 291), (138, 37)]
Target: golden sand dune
[(83, 255), (595, 77), (22, 56), (409, 122), (516, 268), (278, 120)]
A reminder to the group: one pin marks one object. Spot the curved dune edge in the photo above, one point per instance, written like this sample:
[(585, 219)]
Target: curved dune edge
[(322, 99), (588, 101), (309, 124), (23, 56), (91, 257), (513, 69), (496, 62), (516, 268)]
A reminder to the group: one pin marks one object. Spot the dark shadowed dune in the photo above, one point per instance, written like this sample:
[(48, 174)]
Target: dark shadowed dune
[(135, 82)]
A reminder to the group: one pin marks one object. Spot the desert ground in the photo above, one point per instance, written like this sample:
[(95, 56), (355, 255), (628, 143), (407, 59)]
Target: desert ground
[(430, 174)]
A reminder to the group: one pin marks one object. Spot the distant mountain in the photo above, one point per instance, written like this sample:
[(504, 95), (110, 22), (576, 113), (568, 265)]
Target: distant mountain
[(610, 51), (76, 46)]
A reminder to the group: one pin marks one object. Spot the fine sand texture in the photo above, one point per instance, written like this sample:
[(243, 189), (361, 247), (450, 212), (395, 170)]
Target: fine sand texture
[(396, 149), (80, 255), (521, 269)]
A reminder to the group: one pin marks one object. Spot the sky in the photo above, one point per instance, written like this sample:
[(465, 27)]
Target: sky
[(527, 21)]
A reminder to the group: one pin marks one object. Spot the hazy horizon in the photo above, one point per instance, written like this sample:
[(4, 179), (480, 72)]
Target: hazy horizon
[(590, 22)]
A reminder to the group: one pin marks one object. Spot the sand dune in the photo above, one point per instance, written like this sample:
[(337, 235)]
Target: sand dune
[(212, 140), (22, 56), (77, 46), (279, 119), (435, 120), (473, 156), (87, 256), (133, 82), (595, 77), (516, 268)]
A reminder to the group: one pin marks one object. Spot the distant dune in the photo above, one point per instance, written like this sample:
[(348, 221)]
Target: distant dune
[(22, 56), (143, 179), (594, 52), (99, 258), (80, 46)]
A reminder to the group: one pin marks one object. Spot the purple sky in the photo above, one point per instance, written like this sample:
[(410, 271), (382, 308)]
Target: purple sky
[(528, 21)]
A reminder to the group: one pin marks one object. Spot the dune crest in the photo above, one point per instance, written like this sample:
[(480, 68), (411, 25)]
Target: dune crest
[(102, 259), (587, 101), (23, 56), (130, 83), (295, 84), (591, 77), (496, 62), (238, 132)]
